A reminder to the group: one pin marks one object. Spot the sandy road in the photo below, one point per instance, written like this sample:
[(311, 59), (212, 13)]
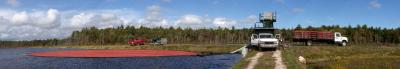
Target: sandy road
[(254, 60), (278, 60), (276, 55)]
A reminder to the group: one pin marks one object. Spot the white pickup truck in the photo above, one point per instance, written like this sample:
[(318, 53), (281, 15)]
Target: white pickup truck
[(264, 40)]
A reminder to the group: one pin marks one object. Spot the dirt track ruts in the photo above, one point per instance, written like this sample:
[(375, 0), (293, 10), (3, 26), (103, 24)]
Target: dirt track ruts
[(276, 55), (278, 60), (254, 60)]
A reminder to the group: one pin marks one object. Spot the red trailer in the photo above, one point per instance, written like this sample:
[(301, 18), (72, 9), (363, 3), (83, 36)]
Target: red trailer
[(319, 36), (136, 42)]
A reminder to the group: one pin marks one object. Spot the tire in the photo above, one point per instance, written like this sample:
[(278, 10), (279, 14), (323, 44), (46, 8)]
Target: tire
[(344, 43), (309, 43)]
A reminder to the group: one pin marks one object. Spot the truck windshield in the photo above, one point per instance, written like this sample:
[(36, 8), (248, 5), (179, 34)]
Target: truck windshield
[(265, 36), (338, 35)]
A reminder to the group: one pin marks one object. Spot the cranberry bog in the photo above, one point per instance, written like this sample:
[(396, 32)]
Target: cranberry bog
[(112, 53), (120, 57)]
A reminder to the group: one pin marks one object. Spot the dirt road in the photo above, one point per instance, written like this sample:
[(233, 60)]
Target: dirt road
[(278, 60), (256, 59)]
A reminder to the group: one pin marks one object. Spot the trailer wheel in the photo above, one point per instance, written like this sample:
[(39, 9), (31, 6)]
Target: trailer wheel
[(309, 43)]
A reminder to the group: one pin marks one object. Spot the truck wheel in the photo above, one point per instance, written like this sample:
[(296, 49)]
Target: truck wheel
[(344, 43), (309, 43)]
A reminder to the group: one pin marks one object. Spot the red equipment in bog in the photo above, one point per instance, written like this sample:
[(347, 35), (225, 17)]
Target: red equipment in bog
[(136, 42)]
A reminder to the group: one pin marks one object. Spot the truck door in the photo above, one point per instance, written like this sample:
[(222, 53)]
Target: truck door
[(254, 39), (338, 37), (253, 36)]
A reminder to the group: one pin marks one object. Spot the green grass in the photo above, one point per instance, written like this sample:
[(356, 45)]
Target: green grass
[(359, 63), (266, 61), (200, 49), (243, 62), (290, 59), (351, 57)]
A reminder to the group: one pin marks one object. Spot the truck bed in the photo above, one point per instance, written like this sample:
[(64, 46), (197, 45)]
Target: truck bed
[(313, 35)]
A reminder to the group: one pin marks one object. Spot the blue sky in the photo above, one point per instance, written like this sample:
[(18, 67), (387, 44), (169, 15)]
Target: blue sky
[(34, 18)]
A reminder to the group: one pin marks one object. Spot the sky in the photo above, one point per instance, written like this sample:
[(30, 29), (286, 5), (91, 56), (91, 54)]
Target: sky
[(44, 19)]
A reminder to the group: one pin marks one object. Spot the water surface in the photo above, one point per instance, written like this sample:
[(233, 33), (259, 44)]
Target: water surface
[(18, 58)]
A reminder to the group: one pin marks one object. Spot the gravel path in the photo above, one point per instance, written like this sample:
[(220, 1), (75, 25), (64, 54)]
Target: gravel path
[(278, 60), (254, 60), (275, 54)]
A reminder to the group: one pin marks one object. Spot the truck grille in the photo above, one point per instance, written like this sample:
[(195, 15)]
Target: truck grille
[(269, 42)]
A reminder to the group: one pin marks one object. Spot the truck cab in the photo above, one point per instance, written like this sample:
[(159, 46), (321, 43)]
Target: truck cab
[(339, 39), (264, 40)]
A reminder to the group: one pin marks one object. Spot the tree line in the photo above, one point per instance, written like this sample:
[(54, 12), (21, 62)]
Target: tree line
[(360, 34)]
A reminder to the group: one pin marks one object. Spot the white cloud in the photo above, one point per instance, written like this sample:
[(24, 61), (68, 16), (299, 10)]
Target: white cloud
[(4, 24), (42, 19), (48, 20), (107, 20), (13, 3), (223, 22), (20, 18), (193, 21), (298, 10), (80, 20), (39, 24), (153, 11), (7, 13), (100, 20), (189, 19), (52, 23), (153, 17), (26, 32), (374, 4), (3, 35), (250, 19)]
